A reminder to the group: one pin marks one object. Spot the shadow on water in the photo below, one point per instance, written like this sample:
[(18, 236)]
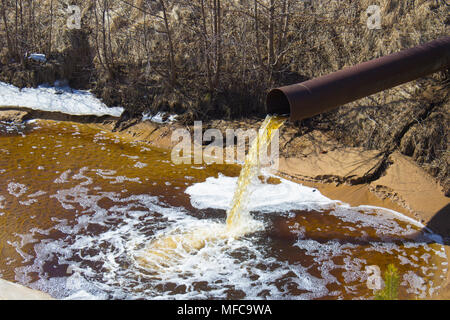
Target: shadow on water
[(440, 224), (417, 237), (286, 229)]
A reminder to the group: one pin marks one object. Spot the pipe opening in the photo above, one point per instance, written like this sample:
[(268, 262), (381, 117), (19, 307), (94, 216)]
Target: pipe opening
[(277, 102)]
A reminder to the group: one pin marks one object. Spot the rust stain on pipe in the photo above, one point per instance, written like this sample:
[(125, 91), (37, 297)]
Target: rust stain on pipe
[(312, 97)]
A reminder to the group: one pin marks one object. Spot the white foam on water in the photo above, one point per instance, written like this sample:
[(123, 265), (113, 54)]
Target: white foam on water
[(287, 196), (110, 175), (140, 165), (37, 194), (100, 247), (415, 284), (382, 220), (63, 177), (103, 264), (394, 213), (217, 193), (220, 266), (16, 189)]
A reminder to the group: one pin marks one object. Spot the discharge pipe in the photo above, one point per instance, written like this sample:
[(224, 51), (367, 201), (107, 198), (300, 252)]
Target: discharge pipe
[(312, 97)]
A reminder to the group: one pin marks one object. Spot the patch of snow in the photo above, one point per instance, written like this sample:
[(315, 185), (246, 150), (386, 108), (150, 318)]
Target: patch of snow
[(158, 118), (40, 57), (55, 99)]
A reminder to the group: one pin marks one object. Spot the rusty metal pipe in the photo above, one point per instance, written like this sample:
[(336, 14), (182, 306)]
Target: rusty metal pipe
[(312, 97)]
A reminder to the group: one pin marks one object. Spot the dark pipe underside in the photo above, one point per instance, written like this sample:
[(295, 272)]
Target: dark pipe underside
[(312, 97)]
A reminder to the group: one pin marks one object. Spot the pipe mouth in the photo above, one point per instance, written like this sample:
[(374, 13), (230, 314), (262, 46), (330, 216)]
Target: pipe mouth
[(277, 102)]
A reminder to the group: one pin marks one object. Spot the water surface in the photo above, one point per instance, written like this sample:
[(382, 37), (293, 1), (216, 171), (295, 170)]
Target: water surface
[(78, 205)]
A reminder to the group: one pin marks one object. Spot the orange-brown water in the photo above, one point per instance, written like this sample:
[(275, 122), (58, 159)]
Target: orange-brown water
[(77, 204), (172, 246)]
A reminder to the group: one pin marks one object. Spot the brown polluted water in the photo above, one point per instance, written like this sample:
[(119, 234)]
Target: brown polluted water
[(80, 208), (168, 249)]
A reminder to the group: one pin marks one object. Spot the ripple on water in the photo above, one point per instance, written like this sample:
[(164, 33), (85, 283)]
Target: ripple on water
[(94, 221)]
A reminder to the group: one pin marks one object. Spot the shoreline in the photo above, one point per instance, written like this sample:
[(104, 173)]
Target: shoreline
[(404, 187)]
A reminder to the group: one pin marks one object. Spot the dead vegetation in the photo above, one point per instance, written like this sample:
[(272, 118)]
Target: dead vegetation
[(209, 59)]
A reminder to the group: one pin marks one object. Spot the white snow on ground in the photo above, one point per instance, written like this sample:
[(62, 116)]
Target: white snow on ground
[(158, 118), (38, 57), (60, 99)]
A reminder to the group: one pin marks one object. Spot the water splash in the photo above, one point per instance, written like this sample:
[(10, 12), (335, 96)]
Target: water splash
[(87, 227), (238, 215), (166, 250)]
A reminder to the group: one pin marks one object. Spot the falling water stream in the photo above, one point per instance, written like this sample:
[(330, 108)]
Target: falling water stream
[(87, 214), (170, 248)]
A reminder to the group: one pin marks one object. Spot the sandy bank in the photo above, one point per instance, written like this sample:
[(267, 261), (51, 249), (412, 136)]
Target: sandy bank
[(14, 291)]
